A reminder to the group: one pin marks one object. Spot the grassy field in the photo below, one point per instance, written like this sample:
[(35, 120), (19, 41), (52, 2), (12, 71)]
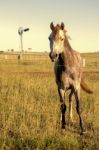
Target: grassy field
[(30, 108)]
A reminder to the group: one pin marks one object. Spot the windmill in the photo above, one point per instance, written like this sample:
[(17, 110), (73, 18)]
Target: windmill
[(20, 32)]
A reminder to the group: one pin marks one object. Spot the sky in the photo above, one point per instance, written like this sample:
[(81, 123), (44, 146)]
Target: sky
[(81, 19)]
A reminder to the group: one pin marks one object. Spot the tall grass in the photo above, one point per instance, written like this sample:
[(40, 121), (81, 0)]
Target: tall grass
[(30, 111)]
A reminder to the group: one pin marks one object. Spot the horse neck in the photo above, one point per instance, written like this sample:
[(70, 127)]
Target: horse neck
[(67, 54)]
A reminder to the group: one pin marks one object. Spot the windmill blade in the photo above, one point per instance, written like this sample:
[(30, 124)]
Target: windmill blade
[(27, 29)]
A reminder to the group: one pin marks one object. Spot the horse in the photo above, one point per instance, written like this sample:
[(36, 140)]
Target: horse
[(68, 69)]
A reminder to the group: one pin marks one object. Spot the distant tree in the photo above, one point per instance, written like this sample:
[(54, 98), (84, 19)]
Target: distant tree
[(45, 52), (1, 51), (29, 49), (12, 50)]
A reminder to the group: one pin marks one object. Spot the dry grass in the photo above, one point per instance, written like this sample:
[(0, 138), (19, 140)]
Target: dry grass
[(30, 109)]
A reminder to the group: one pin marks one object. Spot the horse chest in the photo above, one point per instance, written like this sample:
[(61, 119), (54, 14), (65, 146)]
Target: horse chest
[(63, 80)]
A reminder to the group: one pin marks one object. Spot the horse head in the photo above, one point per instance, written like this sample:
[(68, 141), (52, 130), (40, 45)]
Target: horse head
[(57, 40)]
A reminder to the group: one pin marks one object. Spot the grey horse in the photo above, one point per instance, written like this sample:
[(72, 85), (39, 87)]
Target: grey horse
[(68, 71)]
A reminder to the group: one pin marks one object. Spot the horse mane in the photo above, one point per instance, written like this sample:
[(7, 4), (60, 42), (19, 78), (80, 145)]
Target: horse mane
[(67, 43)]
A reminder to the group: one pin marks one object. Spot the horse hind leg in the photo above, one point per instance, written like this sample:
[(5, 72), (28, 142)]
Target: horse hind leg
[(78, 109), (70, 107), (63, 106)]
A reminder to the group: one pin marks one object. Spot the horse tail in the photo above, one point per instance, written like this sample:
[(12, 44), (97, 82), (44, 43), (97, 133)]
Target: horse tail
[(85, 87)]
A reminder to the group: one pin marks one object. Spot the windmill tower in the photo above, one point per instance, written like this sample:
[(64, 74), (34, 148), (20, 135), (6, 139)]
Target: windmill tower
[(20, 32)]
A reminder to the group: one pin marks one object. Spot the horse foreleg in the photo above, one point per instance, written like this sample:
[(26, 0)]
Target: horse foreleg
[(63, 106)]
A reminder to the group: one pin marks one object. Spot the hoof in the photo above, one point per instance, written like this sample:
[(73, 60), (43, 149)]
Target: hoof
[(63, 126), (70, 123), (83, 132), (63, 131)]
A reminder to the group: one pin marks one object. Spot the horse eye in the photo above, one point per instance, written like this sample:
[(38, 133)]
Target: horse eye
[(62, 39)]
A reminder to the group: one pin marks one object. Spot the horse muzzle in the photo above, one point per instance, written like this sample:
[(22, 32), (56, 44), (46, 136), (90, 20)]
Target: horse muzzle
[(53, 56)]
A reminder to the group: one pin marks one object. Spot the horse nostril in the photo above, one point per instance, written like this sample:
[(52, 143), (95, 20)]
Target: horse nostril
[(50, 54), (56, 55)]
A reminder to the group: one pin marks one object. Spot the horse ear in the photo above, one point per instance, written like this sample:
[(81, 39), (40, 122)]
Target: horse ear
[(52, 26), (62, 26)]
